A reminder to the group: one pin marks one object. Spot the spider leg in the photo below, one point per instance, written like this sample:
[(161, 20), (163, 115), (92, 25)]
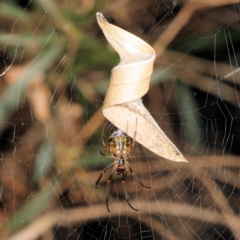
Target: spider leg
[(107, 193), (105, 155), (103, 142), (136, 179), (108, 187), (134, 138), (125, 191), (134, 156), (102, 172)]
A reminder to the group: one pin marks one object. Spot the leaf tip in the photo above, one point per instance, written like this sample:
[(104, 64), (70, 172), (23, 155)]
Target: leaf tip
[(100, 17)]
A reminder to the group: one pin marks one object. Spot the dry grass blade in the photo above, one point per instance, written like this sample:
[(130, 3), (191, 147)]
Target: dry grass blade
[(182, 19), (59, 217)]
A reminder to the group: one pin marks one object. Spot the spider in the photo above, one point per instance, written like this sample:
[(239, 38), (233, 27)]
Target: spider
[(119, 148)]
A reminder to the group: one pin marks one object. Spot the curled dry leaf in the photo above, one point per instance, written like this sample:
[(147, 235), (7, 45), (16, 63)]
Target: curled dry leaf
[(129, 82)]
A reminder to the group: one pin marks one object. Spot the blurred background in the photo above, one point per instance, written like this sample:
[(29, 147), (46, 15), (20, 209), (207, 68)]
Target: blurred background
[(55, 66)]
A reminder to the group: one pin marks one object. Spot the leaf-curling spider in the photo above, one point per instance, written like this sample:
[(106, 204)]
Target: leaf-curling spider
[(119, 148)]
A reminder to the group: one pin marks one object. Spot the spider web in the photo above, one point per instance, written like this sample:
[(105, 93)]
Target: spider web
[(56, 65)]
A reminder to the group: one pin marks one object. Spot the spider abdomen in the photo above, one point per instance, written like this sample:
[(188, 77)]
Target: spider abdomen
[(120, 169)]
